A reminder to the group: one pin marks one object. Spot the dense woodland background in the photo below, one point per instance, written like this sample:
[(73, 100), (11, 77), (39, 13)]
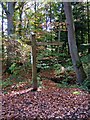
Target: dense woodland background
[(60, 68)]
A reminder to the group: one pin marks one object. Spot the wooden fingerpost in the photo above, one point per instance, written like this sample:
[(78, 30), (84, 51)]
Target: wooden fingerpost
[(34, 45), (34, 68)]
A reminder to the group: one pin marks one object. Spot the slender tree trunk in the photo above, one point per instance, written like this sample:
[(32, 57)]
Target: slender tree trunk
[(10, 18), (10, 30), (46, 9), (9, 10), (50, 15), (21, 5), (80, 74), (35, 9), (2, 22), (88, 13), (20, 24), (2, 31), (59, 29)]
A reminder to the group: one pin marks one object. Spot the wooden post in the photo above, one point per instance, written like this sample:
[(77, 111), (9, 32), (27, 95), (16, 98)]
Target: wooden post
[(34, 45), (34, 68)]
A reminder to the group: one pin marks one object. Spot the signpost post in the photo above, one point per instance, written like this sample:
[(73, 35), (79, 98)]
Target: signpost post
[(34, 67)]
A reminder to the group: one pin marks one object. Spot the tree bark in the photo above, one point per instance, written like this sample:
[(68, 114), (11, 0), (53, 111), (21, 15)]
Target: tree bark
[(9, 10), (10, 18), (21, 5), (80, 74), (10, 30), (2, 21), (88, 20)]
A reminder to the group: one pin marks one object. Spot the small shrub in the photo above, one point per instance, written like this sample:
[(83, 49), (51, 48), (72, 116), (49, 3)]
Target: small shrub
[(86, 84)]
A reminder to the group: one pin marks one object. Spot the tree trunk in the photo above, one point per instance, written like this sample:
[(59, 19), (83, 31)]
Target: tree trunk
[(10, 18), (20, 24), (80, 74), (88, 13), (10, 30), (21, 5), (9, 10), (2, 21)]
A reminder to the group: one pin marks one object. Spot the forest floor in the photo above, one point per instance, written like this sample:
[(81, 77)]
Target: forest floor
[(49, 102)]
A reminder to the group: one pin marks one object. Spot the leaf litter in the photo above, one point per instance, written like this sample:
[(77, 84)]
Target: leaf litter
[(47, 103)]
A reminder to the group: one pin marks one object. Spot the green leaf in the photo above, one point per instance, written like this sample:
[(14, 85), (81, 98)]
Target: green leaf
[(76, 92)]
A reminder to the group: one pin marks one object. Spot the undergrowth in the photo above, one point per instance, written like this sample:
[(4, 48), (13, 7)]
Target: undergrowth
[(18, 71)]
